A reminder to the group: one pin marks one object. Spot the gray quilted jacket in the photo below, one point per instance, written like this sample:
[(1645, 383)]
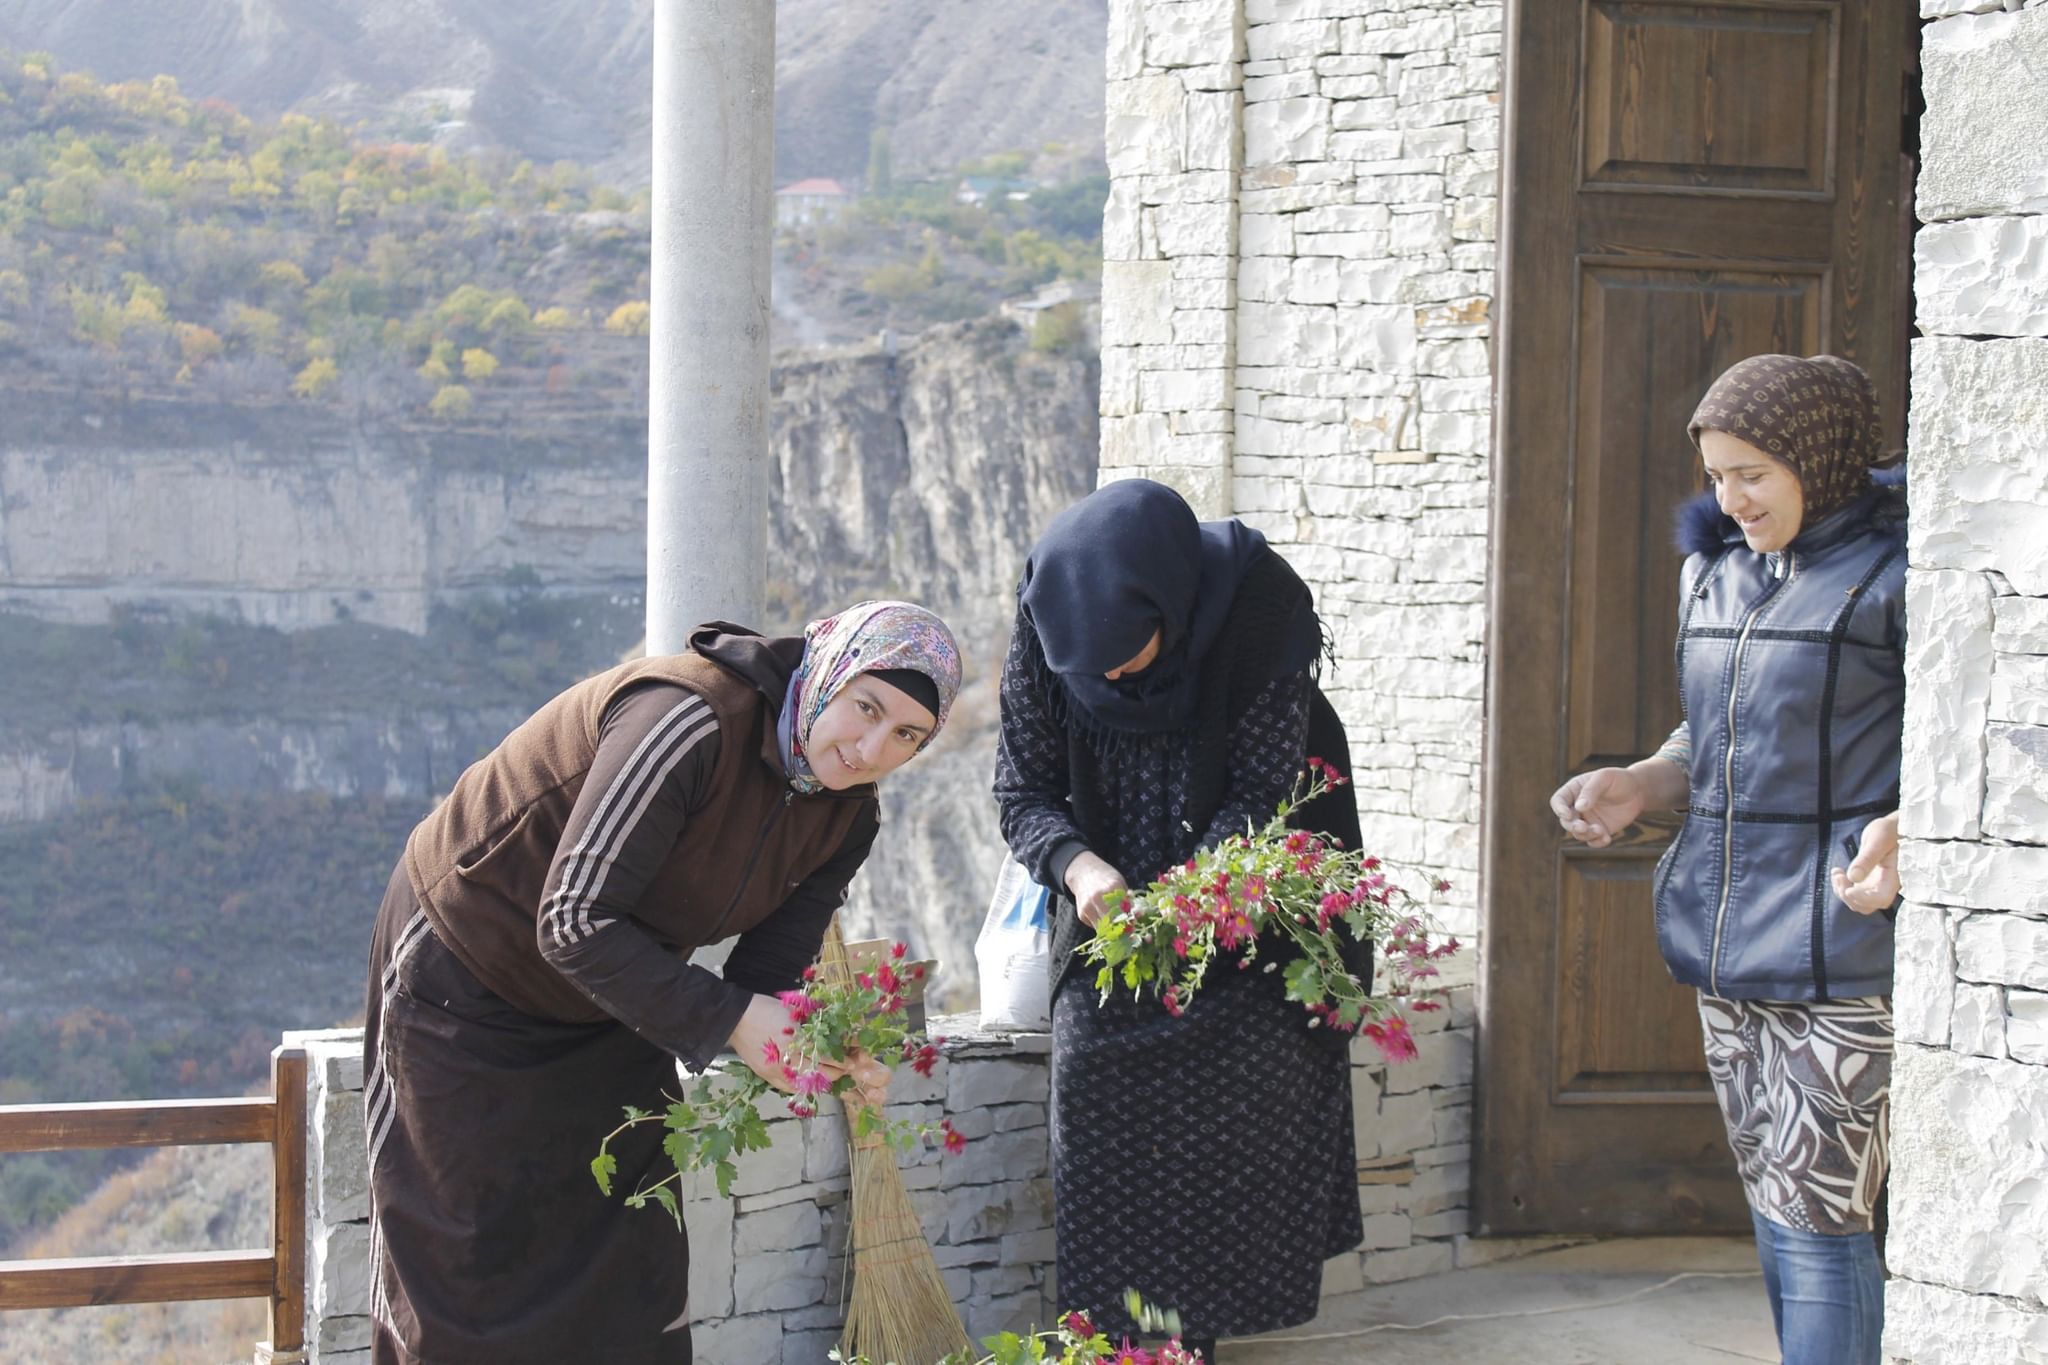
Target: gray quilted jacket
[(1791, 669)]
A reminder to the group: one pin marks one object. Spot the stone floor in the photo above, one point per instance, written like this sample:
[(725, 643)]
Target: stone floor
[(1605, 1303)]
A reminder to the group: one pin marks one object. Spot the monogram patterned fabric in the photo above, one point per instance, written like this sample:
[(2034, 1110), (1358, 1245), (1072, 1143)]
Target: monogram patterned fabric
[(1818, 415), (1805, 1088)]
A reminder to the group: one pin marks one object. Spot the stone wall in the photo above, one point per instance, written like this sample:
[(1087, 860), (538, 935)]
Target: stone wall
[(1968, 1249), (768, 1265), (1297, 279)]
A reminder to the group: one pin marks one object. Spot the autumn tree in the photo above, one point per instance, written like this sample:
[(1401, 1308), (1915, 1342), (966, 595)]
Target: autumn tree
[(629, 320), (451, 403)]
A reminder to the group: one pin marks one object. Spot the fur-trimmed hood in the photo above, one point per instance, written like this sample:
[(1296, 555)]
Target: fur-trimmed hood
[(1701, 527)]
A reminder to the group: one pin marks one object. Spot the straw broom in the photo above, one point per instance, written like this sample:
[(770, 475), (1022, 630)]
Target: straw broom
[(900, 1311)]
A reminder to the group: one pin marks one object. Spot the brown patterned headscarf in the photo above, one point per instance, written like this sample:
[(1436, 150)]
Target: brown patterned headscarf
[(1818, 416)]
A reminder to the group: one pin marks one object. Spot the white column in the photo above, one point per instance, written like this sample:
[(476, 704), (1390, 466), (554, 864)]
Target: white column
[(707, 414)]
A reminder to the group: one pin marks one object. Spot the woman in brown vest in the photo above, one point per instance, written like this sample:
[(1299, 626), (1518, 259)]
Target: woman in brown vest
[(530, 973)]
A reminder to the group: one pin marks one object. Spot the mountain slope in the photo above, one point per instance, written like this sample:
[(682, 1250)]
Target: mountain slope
[(949, 81)]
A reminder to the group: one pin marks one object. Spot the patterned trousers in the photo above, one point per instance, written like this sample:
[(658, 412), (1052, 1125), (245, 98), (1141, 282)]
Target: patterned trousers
[(1805, 1089)]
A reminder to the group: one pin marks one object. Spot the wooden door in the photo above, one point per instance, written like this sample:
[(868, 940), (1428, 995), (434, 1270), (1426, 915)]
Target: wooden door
[(1684, 185)]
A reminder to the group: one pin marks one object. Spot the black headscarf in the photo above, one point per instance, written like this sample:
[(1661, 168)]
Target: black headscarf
[(1127, 560)]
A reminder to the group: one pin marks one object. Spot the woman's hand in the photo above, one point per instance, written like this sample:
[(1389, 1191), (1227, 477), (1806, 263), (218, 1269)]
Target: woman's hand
[(1594, 807), (870, 1079), (759, 1036), (1092, 882), (1871, 883)]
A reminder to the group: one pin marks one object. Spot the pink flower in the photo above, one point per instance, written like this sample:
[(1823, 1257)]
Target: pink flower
[(1077, 1324), (954, 1141), (1128, 1354), (813, 1083), (1393, 1039), (1171, 999), (811, 972), (897, 951), (1226, 934), (1298, 841), (799, 1005), (1326, 771), (770, 1053)]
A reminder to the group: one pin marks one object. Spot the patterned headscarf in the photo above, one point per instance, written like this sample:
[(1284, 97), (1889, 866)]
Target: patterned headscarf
[(865, 638), (1818, 416)]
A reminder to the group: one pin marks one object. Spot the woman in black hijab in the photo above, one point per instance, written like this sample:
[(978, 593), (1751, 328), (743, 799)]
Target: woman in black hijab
[(1158, 696)]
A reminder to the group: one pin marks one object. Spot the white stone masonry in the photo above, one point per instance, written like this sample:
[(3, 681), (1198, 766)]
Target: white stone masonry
[(1298, 274), (1968, 1250)]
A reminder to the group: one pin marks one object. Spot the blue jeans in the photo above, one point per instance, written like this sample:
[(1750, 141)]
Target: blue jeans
[(1827, 1294)]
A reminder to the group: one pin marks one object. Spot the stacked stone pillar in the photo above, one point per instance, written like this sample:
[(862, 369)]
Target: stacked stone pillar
[(1968, 1249), (1174, 106), (1297, 282)]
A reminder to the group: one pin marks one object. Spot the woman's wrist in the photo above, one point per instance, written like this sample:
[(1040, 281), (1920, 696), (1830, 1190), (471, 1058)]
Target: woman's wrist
[(1062, 862), (1664, 782)]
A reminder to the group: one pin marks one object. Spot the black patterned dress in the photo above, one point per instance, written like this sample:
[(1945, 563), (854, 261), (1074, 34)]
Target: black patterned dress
[(1207, 1161)]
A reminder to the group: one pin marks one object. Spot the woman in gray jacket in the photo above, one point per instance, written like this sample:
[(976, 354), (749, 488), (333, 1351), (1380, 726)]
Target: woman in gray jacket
[(1776, 898)]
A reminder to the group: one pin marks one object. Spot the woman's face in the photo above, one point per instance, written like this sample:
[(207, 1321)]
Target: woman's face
[(1761, 493), (1140, 661), (866, 732)]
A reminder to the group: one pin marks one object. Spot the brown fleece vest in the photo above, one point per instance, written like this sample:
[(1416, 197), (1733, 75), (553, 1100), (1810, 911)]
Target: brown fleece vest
[(480, 860)]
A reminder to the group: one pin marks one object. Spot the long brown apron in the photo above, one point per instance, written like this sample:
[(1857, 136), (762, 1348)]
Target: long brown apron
[(490, 1242)]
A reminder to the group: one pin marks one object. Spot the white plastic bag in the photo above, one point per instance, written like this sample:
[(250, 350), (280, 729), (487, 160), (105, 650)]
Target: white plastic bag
[(1013, 954)]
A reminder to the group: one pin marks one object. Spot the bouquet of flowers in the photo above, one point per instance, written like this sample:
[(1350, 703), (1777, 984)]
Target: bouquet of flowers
[(1074, 1342), (1280, 884), (835, 1014)]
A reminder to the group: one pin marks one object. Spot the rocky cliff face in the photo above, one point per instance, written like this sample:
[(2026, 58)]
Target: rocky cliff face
[(989, 441), (922, 474)]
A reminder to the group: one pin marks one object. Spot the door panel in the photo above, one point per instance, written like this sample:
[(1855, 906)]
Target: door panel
[(1685, 184), (1636, 135), (1647, 330), (1625, 1032)]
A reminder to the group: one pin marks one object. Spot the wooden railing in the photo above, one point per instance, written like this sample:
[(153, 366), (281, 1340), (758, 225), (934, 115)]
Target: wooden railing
[(279, 1274)]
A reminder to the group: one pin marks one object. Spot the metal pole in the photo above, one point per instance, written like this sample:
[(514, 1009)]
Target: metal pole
[(707, 414)]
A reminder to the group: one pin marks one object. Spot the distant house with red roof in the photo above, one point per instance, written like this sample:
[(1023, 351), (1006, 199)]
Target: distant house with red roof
[(816, 200)]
